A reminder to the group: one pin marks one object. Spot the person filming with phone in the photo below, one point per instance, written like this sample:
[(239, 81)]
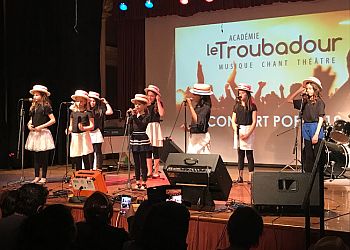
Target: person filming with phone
[(96, 232)]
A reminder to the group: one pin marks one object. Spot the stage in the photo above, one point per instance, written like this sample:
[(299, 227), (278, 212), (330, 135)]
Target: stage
[(208, 229)]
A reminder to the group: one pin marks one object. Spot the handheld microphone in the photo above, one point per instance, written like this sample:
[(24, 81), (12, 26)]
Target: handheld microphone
[(71, 102), (239, 97), (26, 99), (129, 111), (188, 98)]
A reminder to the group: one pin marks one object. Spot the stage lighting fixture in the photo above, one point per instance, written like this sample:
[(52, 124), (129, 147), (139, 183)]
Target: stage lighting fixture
[(148, 4), (184, 1), (209, 1), (123, 6)]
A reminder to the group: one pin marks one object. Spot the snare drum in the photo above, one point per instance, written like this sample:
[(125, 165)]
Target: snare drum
[(337, 156), (341, 131)]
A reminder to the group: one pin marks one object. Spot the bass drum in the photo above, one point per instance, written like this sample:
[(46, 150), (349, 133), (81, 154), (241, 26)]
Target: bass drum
[(337, 157)]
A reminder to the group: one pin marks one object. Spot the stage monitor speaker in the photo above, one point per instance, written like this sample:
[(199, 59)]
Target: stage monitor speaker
[(169, 146), (199, 170), (86, 182), (283, 192)]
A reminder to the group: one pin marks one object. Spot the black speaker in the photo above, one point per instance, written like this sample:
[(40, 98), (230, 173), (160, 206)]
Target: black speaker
[(199, 170), (283, 192), (168, 147)]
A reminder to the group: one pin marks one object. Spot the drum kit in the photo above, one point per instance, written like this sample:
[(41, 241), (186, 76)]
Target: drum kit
[(337, 148)]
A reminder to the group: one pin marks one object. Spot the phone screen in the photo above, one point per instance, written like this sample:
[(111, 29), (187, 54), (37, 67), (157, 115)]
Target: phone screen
[(125, 204), (174, 195)]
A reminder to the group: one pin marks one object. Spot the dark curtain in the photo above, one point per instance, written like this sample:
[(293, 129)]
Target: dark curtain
[(131, 61), (42, 47)]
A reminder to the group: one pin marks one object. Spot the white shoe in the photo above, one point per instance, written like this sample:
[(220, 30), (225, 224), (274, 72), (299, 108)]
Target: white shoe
[(42, 181), (36, 180)]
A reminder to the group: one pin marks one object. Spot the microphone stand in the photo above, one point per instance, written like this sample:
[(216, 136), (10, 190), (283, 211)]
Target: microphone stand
[(127, 133), (67, 144), (22, 115), (20, 144), (65, 179), (185, 124), (302, 106)]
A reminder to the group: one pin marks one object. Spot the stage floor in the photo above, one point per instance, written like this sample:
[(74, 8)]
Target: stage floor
[(337, 195)]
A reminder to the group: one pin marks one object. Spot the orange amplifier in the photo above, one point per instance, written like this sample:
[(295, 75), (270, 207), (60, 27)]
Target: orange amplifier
[(86, 182)]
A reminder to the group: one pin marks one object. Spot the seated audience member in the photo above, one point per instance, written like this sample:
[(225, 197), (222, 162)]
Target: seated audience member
[(96, 232), (31, 198), (330, 242), (166, 227), (8, 203), (136, 222), (52, 228), (245, 227)]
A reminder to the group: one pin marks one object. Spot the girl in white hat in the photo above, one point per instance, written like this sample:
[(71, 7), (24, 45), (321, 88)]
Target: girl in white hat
[(200, 108), (154, 132), (139, 142), (312, 111), (100, 108), (40, 140), (81, 122), (244, 118)]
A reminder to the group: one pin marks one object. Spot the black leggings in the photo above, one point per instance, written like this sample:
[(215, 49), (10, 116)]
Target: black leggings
[(155, 152), (41, 159), (87, 159), (140, 165), (250, 157), (99, 156), (309, 156)]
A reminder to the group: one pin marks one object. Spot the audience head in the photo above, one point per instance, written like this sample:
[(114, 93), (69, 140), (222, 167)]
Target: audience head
[(245, 227), (139, 220), (31, 198), (8, 202), (98, 209), (166, 219), (54, 226), (330, 242)]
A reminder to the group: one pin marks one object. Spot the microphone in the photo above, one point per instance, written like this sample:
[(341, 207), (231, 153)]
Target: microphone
[(129, 111), (239, 97), (71, 102), (186, 99), (26, 99)]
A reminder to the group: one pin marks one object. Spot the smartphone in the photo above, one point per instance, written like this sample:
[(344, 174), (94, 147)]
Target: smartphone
[(173, 195), (125, 203)]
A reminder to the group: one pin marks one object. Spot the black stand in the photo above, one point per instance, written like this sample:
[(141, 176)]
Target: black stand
[(67, 144), (185, 124), (302, 106), (295, 148), (20, 144), (127, 133), (183, 103), (65, 179), (306, 201)]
